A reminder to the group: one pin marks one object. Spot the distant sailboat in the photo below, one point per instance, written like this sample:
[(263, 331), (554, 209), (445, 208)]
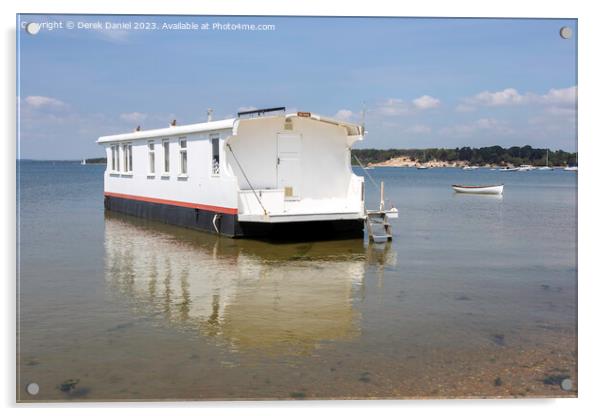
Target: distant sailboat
[(547, 166), (571, 168), (83, 162)]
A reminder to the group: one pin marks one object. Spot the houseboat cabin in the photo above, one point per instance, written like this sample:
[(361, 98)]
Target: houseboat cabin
[(245, 176)]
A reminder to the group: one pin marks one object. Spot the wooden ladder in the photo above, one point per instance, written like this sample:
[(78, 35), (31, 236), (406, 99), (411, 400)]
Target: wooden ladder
[(379, 229)]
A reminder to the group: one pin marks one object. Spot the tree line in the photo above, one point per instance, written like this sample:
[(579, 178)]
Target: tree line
[(495, 155)]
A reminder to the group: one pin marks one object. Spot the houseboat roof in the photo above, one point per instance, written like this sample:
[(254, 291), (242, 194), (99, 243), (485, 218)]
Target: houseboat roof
[(230, 123), (170, 131)]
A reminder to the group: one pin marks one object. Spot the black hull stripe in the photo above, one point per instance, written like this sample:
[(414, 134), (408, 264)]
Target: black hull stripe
[(228, 224)]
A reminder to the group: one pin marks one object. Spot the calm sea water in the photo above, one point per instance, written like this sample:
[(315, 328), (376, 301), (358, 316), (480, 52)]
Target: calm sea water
[(471, 287)]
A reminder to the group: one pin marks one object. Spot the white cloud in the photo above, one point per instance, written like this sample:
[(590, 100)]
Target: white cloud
[(396, 106), (344, 114), (134, 117), (391, 107), (419, 129), (426, 102), (561, 111), (566, 96), (511, 97), (39, 101)]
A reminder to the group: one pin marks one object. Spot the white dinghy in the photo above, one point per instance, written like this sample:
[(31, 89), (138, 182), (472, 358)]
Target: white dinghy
[(479, 189)]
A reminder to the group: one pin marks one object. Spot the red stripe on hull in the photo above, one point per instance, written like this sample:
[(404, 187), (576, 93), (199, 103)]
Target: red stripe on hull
[(222, 210)]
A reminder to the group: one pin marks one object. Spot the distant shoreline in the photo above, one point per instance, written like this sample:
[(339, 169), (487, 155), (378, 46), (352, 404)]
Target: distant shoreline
[(492, 156), (487, 157), (91, 161)]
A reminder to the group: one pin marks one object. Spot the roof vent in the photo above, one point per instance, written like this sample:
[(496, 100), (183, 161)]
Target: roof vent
[(173, 123)]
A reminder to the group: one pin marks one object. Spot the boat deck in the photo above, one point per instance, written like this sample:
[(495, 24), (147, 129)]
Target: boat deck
[(274, 207)]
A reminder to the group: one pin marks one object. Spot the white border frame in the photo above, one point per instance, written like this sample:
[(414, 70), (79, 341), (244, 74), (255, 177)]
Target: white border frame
[(590, 283)]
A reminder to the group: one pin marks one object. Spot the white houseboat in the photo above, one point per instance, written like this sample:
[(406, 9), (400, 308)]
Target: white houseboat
[(261, 173)]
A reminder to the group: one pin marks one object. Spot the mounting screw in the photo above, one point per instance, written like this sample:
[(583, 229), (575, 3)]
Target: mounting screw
[(566, 384), (32, 28), (33, 388), (566, 32)]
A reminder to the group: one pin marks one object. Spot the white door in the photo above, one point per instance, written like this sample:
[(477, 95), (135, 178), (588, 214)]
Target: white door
[(289, 164)]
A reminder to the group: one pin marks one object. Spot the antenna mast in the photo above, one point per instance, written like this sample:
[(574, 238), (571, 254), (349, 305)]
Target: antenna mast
[(363, 117)]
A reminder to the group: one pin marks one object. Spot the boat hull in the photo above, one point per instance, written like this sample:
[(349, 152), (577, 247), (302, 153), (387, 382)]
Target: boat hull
[(479, 190), (226, 223)]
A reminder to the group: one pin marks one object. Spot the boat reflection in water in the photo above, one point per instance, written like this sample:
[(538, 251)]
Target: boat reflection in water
[(246, 294)]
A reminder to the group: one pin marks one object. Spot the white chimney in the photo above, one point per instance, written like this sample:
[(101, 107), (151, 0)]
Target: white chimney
[(209, 114)]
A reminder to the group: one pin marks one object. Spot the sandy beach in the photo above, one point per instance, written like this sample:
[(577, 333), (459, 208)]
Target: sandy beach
[(407, 162)]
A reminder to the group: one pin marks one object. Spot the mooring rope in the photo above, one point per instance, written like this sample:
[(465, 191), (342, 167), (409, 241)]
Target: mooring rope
[(265, 212), (367, 173), (371, 178)]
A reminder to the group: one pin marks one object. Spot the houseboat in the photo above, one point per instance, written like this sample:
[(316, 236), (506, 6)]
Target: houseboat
[(264, 172)]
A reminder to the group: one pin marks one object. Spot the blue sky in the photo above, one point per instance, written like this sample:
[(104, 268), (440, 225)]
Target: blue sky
[(423, 82)]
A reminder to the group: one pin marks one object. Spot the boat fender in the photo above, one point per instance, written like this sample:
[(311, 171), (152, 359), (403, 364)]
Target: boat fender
[(216, 218)]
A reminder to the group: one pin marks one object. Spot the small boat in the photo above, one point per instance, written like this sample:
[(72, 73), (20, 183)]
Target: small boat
[(508, 169), (392, 213), (470, 167), (83, 162), (571, 169), (546, 168), (479, 189), (525, 168), (422, 167)]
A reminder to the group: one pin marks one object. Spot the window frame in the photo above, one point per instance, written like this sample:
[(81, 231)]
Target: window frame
[(215, 172), (118, 157), (127, 158), (183, 152), (124, 158), (165, 145), (114, 158), (150, 145), (130, 156)]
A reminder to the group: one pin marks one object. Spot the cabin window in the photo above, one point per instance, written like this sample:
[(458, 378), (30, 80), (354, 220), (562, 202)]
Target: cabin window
[(165, 156), (114, 157), (215, 155), (151, 157), (130, 158), (127, 157), (183, 157)]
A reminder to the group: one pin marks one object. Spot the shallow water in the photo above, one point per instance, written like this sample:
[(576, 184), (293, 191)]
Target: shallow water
[(471, 289)]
